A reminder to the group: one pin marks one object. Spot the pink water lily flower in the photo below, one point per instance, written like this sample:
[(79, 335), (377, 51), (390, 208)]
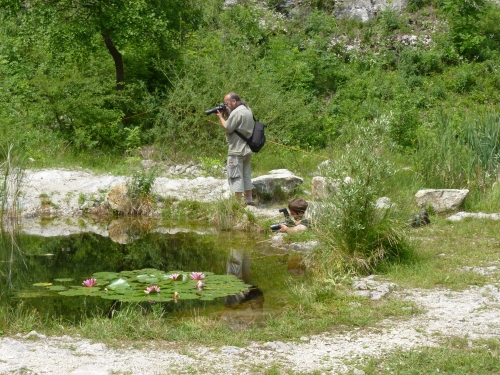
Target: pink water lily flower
[(199, 285), (152, 289), (89, 283), (174, 276), (197, 275)]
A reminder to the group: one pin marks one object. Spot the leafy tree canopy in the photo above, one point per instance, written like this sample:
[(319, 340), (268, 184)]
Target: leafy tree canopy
[(71, 26)]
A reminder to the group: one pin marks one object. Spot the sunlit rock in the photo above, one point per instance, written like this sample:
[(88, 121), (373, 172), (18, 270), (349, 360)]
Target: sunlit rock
[(117, 198), (365, 10), (267, 185), (441, 200)]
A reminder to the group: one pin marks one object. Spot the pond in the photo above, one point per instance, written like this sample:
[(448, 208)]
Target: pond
[(31, 261)]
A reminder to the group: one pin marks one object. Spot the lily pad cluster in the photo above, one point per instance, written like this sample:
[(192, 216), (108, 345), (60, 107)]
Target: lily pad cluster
[(152, 285)]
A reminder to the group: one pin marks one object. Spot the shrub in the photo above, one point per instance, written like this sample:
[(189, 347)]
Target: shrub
[(139, 191), (414, 5), (464, 80), (403, 124), (355, 232)]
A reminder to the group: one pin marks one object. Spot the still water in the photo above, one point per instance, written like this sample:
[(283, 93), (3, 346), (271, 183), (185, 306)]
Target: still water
[(27, 259)]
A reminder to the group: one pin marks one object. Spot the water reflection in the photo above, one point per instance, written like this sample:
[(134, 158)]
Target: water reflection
[(142, 245), (246, 307)]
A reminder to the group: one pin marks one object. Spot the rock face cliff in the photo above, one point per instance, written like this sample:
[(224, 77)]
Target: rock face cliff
[(359, 9), (366, 9)]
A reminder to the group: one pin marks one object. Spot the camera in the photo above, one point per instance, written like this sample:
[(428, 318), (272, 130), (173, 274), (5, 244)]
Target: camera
[(220, 107), (287, 221)]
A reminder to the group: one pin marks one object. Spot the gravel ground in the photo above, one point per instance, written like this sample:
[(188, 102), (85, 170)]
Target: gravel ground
[(472, 313)]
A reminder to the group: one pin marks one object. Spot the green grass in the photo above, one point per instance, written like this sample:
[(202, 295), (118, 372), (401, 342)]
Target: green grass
[(288, 321), (456, 356), (444, 248)]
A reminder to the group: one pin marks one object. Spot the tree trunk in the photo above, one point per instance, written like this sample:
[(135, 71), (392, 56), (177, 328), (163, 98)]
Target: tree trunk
[(117, 57)]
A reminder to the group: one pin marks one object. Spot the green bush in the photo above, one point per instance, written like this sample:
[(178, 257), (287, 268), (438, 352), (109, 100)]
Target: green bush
[(414, 5), (404, 124), (355, 232), (464, 80)]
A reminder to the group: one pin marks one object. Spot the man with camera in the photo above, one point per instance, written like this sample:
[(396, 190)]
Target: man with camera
[(239, 172), (297, 208)]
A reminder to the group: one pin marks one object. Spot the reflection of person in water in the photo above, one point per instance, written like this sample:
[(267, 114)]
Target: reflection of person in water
[(245, 307)]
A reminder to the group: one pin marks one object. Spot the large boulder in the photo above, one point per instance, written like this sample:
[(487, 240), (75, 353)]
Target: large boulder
[(266, 185), (441, 200)]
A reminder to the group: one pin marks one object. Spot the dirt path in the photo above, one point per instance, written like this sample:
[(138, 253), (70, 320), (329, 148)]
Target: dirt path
[(472, 313)]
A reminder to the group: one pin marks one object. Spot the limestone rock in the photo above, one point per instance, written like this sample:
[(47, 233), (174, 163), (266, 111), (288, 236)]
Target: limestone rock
[(322, 186), (441, 200), (365, 10), (265, 185), (117, 198)]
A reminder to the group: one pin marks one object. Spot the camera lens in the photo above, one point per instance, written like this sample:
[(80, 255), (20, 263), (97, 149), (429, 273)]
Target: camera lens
[(275, 227)]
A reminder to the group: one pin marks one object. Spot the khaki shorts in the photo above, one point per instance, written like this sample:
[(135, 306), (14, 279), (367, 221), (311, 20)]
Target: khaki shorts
[(239, 173)]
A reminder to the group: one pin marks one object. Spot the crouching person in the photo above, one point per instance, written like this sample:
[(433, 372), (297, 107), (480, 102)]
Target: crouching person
[(297, 209)]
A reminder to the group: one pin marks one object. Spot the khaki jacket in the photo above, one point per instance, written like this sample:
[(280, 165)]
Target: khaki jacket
[(241, 119)]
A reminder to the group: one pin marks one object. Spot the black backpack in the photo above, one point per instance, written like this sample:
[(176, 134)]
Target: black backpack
[(257, 139)]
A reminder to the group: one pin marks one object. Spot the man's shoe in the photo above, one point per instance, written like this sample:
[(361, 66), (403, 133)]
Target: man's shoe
[(249, 204)]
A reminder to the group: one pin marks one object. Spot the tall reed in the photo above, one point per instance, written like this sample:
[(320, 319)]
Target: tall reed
[(459, 152), (10, 190), (484, 150)]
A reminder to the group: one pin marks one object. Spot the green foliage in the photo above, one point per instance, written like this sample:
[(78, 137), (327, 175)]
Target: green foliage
[(141, 184), (441, 155), (228, 214), (459, 152), (465, 32), (357, 234), (403, 125), (140, 189), (324, 5), (150, 285), (457, 356), (390, 20), (309, 76), (415, 62), (414, 5)]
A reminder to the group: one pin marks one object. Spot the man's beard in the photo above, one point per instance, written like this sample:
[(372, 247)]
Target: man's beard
[(228, 110)]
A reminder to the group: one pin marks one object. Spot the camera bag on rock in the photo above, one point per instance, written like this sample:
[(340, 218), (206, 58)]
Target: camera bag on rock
[(257, 139)]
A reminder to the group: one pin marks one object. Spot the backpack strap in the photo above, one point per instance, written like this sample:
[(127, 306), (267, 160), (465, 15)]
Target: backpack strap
[(241, 135)]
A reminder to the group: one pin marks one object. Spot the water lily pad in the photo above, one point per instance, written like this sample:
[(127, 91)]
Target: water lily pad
[(148, 279), (56, 288), (118, 284), (81, 291), (108, 276), (187, 296), (129, 286), (63, 280)]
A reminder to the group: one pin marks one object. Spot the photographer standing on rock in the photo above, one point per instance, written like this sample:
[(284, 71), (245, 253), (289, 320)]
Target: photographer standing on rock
[(239, 172)]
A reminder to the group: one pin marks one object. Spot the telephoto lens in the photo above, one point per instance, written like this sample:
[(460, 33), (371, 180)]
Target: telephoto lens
[(275, 227), (221, 107)]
